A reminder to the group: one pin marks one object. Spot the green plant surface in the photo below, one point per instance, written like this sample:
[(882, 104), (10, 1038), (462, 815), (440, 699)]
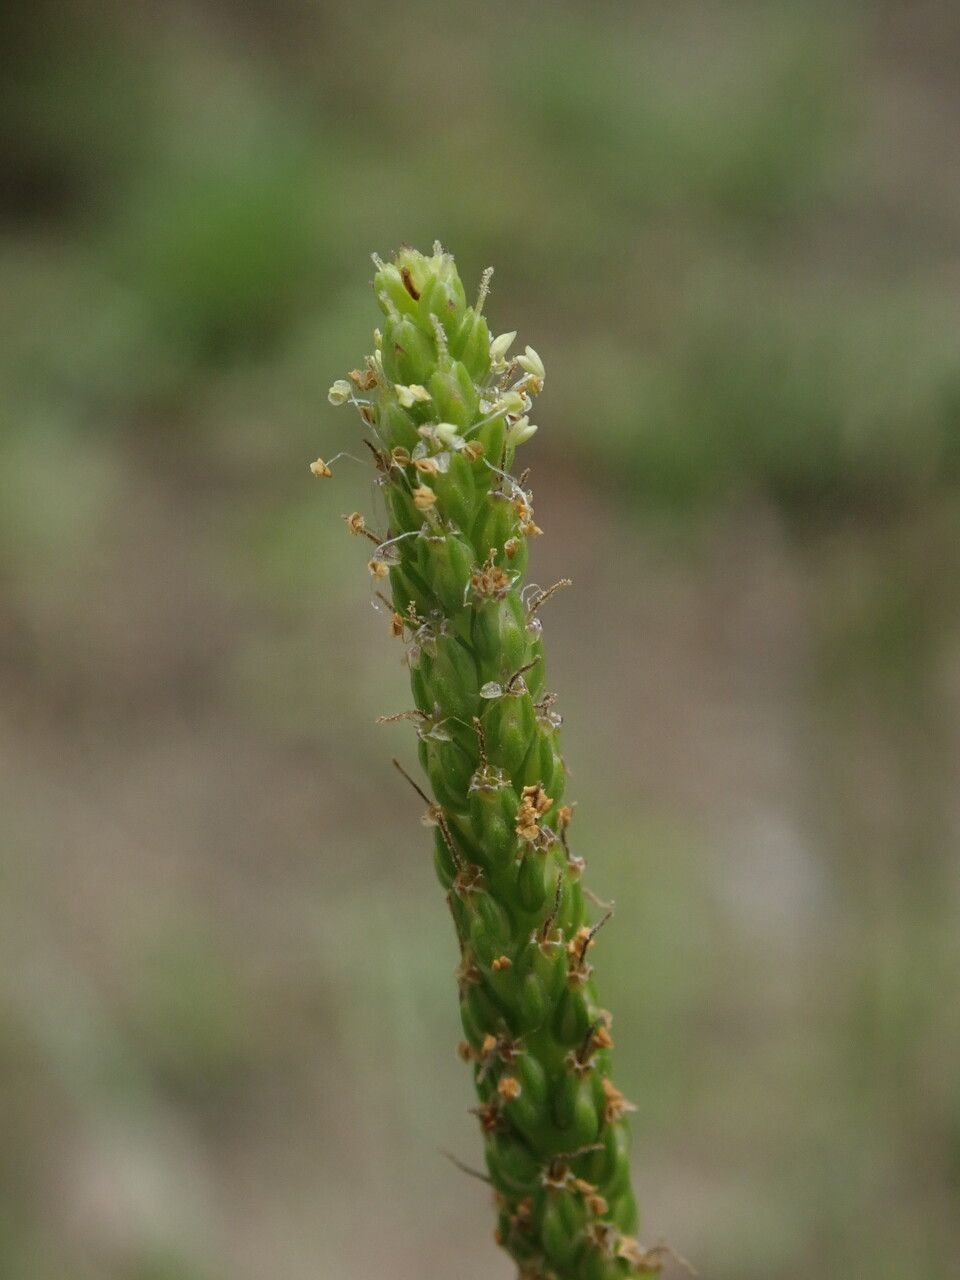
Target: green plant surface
[(444, 410)]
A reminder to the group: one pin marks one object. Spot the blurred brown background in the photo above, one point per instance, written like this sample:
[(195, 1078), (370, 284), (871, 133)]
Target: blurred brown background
[(227, 1012)]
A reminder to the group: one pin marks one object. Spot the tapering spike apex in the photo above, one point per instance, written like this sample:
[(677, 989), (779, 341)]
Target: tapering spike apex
[(448, 408)]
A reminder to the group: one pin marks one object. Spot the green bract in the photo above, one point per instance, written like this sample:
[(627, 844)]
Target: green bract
[(444, 409)]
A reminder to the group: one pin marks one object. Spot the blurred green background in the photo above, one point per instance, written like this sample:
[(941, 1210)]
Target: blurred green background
[(227, 1012)]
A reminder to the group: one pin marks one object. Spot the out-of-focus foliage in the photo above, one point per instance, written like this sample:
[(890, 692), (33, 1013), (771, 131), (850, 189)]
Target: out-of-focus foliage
[(732, 231)]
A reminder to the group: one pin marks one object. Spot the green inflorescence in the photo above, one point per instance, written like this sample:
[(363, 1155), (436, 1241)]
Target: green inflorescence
[(445, 409)]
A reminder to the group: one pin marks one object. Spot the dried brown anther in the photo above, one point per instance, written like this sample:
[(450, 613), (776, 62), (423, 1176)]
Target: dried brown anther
[(509, 1087), (522, 1214), (616, 1104), (489, 1116), (578, 970), (601, 1038), (490, 582), (424, 498), (358, 527), (534, 803), (363, 379), (492, 1049), (523, 505), (603, 1236), (648, 1262)]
